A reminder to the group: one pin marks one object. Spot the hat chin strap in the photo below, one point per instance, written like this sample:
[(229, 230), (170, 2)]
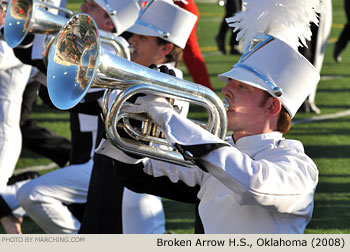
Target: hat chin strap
[(277, 91)]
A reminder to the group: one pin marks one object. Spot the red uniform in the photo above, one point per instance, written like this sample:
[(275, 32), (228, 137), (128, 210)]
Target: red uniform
[(192, 55)]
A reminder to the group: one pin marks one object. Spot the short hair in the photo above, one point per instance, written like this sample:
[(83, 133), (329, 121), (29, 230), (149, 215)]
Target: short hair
[(284, 121), (175, 55)]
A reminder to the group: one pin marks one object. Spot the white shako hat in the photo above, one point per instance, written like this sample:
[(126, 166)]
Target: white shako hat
[(270, 60), (123, 13), (165, 20)]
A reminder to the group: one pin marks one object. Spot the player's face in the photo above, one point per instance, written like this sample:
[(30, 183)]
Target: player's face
[(2, 17), (146, 51), (100, 16), (245, 112)]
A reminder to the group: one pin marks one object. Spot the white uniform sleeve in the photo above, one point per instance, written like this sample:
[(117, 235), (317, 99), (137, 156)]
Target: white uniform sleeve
[(106, 148), (8, 59), (282, 178), (175, 125), (190, 176)]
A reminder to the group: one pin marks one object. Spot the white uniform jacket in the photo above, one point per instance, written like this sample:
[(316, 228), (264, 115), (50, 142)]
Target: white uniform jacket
[(260, 184)]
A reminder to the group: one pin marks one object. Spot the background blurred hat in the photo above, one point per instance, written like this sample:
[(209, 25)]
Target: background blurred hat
[(272, 31), (165, 20), (122, 12)]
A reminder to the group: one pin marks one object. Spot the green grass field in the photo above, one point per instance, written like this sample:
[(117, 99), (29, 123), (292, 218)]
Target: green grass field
[(327, 142)]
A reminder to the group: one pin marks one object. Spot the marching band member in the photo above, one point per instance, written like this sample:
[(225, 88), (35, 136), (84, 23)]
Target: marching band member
[(315, 50), (259, 182), (48, 200), (13, 78), (344, 36), (150, 46), (192, 55), (36, 138)]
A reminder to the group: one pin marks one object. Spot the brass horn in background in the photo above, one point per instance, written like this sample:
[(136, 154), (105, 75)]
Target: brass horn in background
[(32, 16), (77, 62)]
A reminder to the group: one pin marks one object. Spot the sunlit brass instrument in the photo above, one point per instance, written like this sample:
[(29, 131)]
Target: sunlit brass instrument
[(78, 62), (33, 16)]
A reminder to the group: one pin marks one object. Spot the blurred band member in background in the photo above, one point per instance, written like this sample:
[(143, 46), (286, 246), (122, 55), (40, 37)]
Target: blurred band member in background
[(141, 213)]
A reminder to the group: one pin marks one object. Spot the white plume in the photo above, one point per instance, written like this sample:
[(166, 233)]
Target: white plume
[(287, 20)]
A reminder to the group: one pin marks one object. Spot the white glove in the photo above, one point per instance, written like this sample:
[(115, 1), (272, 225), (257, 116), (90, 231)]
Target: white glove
[(155, 106)]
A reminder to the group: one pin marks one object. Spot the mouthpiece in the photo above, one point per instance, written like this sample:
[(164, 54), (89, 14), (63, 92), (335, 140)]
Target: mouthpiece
[(226, 104), (131, 49)]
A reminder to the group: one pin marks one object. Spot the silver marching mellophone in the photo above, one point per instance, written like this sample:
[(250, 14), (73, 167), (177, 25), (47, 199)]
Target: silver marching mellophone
[(77, 62)]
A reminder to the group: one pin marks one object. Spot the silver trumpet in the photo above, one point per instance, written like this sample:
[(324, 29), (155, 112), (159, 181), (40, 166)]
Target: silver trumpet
[(77, 62), (33, 16)]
